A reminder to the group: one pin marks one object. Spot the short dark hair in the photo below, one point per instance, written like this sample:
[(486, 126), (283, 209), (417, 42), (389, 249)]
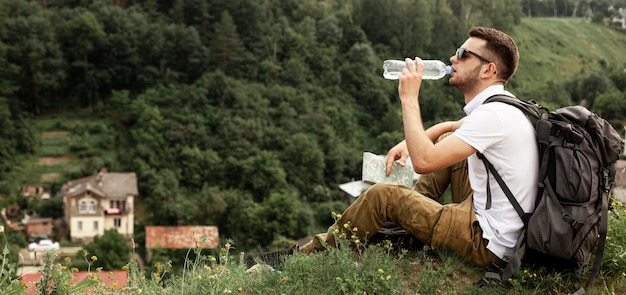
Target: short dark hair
[(501, 47)]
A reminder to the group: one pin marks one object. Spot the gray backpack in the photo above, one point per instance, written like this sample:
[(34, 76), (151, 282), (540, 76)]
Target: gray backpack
[(577, 153)]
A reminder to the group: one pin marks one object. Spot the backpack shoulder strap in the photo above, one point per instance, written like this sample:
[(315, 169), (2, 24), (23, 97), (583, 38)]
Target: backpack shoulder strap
[(505, 188), (533, 111), (530, 108)]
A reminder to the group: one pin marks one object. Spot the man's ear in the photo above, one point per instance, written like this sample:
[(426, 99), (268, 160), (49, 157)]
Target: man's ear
[(492, 68)]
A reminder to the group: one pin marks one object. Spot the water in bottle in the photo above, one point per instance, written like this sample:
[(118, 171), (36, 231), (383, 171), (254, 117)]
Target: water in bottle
[(433, 69)]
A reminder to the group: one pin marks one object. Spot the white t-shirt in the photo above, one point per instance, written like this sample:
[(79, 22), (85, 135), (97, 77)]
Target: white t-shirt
[(505, 136)]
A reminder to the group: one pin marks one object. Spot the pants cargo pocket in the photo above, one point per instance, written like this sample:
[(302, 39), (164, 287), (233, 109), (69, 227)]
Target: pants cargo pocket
[(458, 230)]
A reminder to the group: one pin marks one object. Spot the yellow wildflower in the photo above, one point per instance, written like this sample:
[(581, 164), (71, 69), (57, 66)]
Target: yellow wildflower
[(63, 268), (355, 229), (125, 267), (94, 258), (345, 225), (380, 270)]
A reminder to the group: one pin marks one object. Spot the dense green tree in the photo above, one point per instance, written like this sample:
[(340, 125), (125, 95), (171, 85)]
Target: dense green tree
[(589, 87), (304, 160), (163, 188), (279, 215), (52, 208), (198, 15), (611, 105), (7, 143), (184, 58), (618, 78), (260, 174), (553, 95), (501, 14), (239, 221), (226, 46), (111, 250), (210, 205), (32, 45), (199, 167), (405, 26), (446, 21), (131, 55), (81, 36), (177, 12), (8, 72)]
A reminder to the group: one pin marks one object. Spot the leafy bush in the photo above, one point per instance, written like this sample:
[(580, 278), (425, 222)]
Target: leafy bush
[(112, 249)]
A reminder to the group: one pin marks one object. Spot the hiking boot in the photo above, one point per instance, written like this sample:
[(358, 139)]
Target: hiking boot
[(274, 259), (398, 236)]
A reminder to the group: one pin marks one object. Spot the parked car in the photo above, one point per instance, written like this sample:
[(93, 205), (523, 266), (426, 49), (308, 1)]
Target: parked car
[(37, 238), (44, 245)]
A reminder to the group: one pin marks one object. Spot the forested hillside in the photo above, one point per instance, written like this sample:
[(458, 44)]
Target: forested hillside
[(247, 114)]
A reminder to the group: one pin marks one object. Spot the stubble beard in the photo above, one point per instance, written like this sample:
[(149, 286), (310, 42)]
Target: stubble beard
[(467, 83)]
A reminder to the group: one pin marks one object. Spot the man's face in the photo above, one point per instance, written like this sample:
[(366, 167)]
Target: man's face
[(467, 68)]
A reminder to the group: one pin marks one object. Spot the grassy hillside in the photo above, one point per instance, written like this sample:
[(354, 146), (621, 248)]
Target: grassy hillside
[(561, 48)]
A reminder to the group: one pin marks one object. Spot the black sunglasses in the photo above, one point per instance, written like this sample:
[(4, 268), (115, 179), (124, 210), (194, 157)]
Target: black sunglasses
[(460, 52)]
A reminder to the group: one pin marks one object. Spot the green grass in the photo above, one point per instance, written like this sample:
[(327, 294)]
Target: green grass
[(559, 49), (376, 269)]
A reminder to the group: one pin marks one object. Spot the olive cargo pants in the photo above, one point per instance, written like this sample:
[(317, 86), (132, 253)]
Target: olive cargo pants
[(453, 226)]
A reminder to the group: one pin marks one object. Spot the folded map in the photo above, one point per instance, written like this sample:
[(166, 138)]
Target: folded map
[(374, 170)]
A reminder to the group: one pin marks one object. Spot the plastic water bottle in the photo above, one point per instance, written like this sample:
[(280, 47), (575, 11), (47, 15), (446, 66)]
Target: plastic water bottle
[(433, 69)]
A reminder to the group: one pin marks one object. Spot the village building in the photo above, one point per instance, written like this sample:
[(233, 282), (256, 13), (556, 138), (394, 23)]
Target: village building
[(100, 202), (37, 226)]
